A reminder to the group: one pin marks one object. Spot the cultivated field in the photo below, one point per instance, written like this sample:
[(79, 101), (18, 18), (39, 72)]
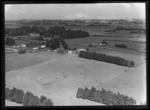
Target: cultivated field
[(59, 76)]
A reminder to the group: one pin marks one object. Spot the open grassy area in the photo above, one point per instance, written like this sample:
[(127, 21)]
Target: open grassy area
[(133, 43), (59, 77)]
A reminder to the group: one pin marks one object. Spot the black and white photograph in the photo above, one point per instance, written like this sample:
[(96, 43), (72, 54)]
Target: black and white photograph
[(75, 54)]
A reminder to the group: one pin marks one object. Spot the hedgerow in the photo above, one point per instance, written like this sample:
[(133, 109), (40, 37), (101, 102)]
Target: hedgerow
[(106, 58), (27, 99), (104, 96)]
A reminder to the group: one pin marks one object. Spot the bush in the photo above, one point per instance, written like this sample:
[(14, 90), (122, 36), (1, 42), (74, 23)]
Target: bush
[(90, 45), (104, 42), (22, 51)]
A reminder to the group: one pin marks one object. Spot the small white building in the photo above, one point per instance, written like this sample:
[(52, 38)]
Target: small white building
[(81, 50), (70, 52), (43, 46), (35, 48)]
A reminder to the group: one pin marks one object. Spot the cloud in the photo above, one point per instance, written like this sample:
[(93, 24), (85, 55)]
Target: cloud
[(78, 16)]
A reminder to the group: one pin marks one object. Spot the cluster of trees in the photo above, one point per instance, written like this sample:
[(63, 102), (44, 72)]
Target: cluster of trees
[(27, 99), (120, 46), (56, 43), (50, 32), (104, 96), (10, 42), (106, 58), (23, 30), (69, 34), (30, 44)]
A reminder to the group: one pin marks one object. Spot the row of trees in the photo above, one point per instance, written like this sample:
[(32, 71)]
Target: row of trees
[(30, 44), (104, 96), (120, 46), (106, 58), (27, 99), (23, 30)]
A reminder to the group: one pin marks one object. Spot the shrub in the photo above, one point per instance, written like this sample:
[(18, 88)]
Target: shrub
[(104, 42), (22, 51), (90, 45), (120, 46)]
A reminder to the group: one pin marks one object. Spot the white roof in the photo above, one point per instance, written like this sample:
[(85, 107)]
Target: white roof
[(81, 49)]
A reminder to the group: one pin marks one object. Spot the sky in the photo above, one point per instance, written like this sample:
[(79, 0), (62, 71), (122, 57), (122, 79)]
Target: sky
[(75, 11)]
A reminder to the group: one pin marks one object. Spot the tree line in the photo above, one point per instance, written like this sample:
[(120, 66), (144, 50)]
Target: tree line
[(104, 96), (27, 99), (106, 58), (50, 32)]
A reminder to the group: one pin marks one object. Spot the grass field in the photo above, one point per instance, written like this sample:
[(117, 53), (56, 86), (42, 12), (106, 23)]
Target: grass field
[(58, 77), (133, 43)]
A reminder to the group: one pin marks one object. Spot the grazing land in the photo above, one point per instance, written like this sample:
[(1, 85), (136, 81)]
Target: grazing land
[(58, 76)]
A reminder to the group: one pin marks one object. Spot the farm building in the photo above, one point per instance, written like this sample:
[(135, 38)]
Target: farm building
[(35, 48), (43, 46), (79, 50), (70, 52)]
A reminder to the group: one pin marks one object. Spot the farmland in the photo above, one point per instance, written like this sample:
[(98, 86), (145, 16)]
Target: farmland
[(58, 76)]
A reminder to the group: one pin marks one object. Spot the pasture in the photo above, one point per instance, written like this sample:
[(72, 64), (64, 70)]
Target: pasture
[(133, 43), (59, 76)]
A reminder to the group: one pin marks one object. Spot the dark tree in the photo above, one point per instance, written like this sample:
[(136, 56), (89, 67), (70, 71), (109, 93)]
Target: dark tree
[(7, 92), (52, 44), (10, 41), (42, 99), (47, 102), (12, 93)]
